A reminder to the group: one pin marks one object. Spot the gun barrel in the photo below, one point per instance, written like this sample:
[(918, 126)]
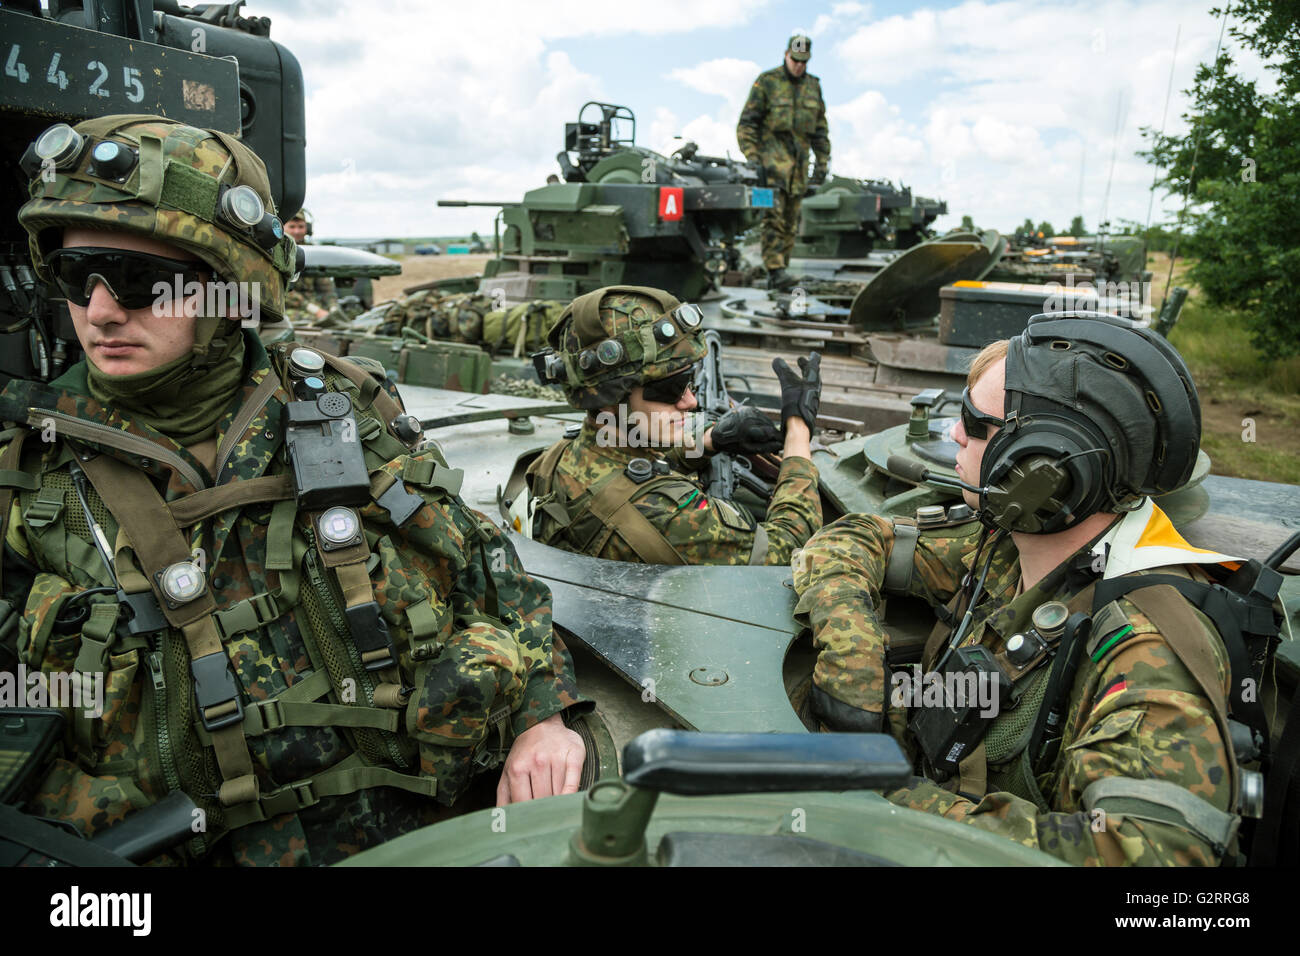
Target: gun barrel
[(474, 202)]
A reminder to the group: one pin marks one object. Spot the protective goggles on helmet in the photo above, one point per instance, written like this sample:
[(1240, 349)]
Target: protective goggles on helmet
[(130, 277), (974, 421), (671, 389)]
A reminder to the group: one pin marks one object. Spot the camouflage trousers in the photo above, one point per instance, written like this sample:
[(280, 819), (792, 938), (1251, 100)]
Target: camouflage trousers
[(780, 226)]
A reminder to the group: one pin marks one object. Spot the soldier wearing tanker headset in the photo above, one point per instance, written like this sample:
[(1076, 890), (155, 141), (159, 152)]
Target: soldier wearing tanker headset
[(624, 486), (1121, 656), (300, 624)]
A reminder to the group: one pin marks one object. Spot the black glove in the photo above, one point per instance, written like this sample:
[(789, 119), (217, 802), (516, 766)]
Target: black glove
[(746, 430), (800, 396), (837, 715), (818, 176)]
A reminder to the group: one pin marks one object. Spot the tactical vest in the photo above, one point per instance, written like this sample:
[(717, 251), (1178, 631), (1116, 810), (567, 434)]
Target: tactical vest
[(586, 523), (195, 720)]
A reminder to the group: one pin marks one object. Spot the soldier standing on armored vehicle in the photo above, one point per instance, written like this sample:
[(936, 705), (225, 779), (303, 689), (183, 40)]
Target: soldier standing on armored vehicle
[(1104, 737), (783, 117), (299, 623), (628, 351)]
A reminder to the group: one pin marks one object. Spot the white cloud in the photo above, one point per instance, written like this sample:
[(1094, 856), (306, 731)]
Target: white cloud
[(994, 105), (1021, 98), (870, 141), (729, 78), (841, 17), (665, 131), (893, 49), (470, 104), (716, 136)]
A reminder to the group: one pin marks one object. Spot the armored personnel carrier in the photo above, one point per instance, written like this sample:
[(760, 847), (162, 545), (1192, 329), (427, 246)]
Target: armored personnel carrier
[(624, 214)]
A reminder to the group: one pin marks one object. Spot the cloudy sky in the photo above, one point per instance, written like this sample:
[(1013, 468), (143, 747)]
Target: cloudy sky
[(1005, 109)]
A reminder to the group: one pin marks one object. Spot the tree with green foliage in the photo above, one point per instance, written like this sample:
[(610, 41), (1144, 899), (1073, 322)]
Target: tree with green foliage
[(1077, 227), (1046, 229), (1239, 169)]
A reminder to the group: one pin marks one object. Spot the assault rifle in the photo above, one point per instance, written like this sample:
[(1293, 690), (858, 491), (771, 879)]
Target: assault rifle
[(725, 471)]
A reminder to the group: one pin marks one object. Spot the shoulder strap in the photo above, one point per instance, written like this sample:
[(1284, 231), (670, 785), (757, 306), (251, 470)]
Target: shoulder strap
[(612, 506), (158, 542), (541, 472), (898, 572), (10, 467), (1230, 618), (539, 479), (372, 392), (244, 417), (1160, 598), (1216, 603)]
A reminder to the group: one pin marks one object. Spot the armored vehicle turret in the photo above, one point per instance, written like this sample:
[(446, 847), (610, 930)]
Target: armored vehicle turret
[(624, 214), (848, 218)]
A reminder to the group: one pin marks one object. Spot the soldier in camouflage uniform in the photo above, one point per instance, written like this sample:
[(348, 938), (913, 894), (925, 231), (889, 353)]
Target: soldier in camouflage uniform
[(1141, 771), (628, 356), (313, 300), (312, 699), (783, 117)]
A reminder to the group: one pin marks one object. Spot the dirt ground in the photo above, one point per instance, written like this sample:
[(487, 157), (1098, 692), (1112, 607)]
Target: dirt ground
[(417, 269)]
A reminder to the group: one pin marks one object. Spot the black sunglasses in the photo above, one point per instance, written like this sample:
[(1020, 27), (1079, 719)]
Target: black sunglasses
[(131, 277), (975, 421), (669, 390)]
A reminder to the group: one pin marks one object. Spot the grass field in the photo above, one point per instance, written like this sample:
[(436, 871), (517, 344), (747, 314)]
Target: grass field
[(1250, 401)]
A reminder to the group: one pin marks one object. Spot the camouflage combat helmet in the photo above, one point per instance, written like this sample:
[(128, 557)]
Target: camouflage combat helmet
[(609, 341), (201, 190)]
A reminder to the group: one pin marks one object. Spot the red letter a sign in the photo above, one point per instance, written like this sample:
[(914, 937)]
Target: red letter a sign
[(670, 203)]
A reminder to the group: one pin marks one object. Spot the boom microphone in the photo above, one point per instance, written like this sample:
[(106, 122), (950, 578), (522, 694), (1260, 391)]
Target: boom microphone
[(911, 470)]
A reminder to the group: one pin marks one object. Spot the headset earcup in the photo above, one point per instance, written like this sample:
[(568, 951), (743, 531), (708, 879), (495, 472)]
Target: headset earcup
[(1039, 478)]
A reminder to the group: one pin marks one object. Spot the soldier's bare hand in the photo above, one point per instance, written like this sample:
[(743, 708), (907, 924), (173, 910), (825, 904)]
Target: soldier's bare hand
[(546, 760)]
